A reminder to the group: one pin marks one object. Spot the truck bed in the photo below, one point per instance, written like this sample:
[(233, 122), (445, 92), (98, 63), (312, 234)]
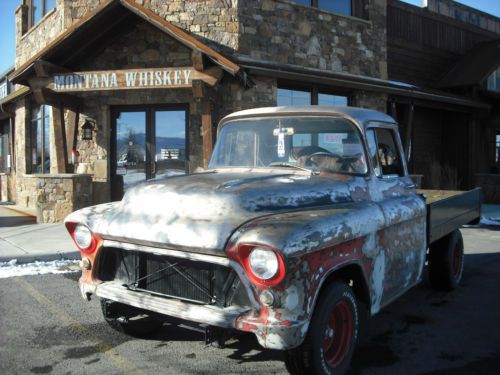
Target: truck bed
[(448, 210)]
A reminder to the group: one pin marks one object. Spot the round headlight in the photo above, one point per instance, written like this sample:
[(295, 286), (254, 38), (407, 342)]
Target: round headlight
[(263, 263), (83, 236)]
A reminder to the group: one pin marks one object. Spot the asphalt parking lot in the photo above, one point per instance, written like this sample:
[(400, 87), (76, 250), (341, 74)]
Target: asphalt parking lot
[(45, 327)]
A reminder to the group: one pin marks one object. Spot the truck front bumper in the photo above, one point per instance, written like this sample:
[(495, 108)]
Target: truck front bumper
[(271, 335)]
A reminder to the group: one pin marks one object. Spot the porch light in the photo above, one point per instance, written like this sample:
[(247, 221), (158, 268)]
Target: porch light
[(87, 129)]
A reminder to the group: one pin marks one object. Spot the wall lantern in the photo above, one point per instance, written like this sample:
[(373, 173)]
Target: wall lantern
[(87, 129)]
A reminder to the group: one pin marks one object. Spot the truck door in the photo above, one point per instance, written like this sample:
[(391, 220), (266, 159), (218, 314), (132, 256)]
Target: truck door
[(403, 238)]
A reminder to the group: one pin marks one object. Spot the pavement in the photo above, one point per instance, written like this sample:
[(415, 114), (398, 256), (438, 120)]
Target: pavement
[(22, 239)]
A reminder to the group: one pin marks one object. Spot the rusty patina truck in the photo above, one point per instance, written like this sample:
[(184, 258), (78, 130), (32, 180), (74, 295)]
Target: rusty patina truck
[(305, 222)]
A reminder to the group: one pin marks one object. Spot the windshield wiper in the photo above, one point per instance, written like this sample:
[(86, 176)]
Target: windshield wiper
[(283, 164)]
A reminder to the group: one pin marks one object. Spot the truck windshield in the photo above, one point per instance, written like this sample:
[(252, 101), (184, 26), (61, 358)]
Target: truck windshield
[(324, 144)]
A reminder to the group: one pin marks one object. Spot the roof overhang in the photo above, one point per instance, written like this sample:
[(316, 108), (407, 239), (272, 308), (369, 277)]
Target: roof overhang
[(474, 67), (4, 102), (350, 81), (105, 16)]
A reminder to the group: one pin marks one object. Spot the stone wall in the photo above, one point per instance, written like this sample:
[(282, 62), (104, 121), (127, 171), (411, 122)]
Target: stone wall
[(54, 196), (214, 21), (370, 100), (30, 41), (235, 98), (7, 187), (288, 33)]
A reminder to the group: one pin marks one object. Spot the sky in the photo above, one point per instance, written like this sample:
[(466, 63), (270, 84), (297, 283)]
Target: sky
[(7, 24)]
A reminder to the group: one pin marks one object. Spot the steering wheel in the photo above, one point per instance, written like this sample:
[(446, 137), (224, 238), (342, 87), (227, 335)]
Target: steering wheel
[(309, 158)]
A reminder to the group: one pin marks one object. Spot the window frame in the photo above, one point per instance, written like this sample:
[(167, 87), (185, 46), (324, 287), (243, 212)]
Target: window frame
[(315, 90), (33, 122), (374, 125), (5, 131), (355, 11), (45, 11)]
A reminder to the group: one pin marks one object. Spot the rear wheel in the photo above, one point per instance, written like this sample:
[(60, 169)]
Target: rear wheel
[(446, 262), (330, 342), (129, 320)]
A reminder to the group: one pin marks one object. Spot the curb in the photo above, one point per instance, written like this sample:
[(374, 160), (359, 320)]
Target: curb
[(45, 257)]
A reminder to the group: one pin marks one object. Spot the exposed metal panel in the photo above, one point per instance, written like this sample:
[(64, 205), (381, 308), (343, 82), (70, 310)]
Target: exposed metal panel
[(450, 211)]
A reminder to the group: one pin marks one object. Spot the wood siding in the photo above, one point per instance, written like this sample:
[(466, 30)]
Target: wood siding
[(423, 45)]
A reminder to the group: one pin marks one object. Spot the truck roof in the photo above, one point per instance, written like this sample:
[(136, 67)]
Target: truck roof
[(359, 115)]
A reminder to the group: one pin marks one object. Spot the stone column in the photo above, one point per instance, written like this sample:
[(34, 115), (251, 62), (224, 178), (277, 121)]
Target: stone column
[(22, 22)]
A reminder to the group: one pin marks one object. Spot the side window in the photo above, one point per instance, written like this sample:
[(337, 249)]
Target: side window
[(372, 149), (386, 158)]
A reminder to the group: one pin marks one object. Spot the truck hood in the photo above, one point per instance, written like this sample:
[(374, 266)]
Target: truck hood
[(201, 211)]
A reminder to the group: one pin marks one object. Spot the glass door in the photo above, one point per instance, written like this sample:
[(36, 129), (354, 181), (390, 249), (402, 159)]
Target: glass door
[(130, 151), (170, 143), (148, 143)]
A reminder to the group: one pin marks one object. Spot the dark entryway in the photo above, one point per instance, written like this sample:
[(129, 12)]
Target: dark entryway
[(148, 142)]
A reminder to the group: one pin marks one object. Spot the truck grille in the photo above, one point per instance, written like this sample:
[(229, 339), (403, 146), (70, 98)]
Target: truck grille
[(188, 280)]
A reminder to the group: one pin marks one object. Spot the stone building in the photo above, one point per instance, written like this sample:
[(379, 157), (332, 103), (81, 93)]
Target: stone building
[(113, 92)]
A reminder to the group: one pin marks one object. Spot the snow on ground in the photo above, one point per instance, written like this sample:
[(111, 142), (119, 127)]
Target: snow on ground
[(12, 268), (490, 221)]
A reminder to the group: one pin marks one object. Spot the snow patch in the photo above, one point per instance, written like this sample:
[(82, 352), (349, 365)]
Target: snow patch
[(495, 221), (11, 268)]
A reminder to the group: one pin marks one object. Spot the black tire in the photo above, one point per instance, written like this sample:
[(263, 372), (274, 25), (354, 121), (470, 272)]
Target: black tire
[(337, 304), (446, 262), (140, 325)]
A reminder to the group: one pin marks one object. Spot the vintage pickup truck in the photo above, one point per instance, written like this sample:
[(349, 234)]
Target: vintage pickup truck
[(305, 222)]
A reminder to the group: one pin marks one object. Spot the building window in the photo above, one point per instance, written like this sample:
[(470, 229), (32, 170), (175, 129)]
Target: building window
[(346, 7), (39, 8), (5, 157), (494, 81), (287, 97), (40, 142), (293, 97), (337, 6)]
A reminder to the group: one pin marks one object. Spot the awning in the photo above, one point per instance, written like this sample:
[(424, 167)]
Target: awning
[(13, 96), (106, 16), (474, 67), (351, 81)]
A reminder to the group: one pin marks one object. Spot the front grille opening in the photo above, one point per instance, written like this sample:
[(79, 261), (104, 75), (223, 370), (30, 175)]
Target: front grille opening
[(187, 280)]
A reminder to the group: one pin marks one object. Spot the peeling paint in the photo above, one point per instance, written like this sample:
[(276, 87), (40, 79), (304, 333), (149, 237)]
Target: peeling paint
[(318, 223)]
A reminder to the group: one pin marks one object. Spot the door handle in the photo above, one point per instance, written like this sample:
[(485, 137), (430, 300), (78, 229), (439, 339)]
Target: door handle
[(153, 168), (411, 186)]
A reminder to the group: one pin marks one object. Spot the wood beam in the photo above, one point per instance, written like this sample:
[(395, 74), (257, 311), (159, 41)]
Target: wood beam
[(71, 126), (199, 91), (206, 131), (61, 157), (44, 95), (197, 58), (44, 69)]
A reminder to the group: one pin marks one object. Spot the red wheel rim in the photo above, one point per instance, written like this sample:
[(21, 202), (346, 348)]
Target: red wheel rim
[(457, 261), (338, 334)]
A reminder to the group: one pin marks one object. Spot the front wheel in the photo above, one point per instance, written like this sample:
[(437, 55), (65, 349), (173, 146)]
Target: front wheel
[(446, 261), (333, 333)]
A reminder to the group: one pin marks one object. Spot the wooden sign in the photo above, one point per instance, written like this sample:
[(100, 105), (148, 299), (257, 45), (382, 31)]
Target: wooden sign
[(161, 78)]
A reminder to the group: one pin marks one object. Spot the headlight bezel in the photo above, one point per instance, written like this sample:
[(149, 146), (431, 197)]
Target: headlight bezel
[(241, 254), (263, 263), (95, 240), (82, 236)]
